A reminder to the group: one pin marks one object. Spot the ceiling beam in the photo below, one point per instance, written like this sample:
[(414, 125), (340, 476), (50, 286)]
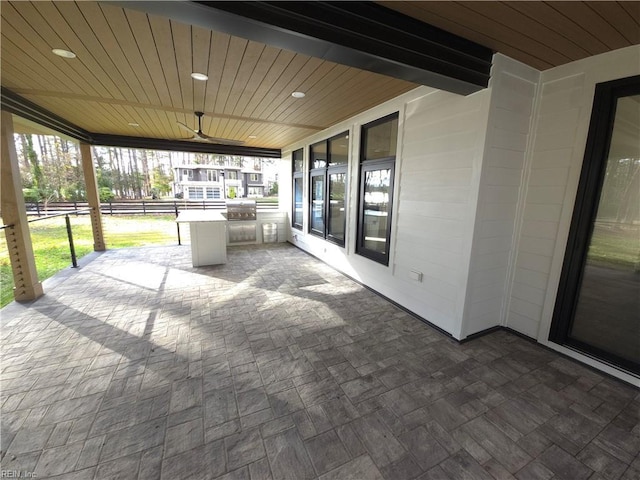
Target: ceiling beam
[(363, 35), (20, 106), (184, 146), (24, 108)]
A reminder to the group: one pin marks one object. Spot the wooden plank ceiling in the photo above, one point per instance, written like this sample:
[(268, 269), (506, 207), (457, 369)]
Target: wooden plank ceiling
[(134, 68), (540, 34)]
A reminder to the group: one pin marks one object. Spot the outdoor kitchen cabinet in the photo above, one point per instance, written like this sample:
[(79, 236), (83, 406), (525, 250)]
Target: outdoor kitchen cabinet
[(208, 231)]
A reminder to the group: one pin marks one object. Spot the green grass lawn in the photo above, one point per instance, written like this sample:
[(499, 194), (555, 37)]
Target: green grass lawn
[(615, 247), (51, 245)]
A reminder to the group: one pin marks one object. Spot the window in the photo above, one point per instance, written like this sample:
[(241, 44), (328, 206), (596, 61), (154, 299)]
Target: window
[(187, 175), (377, 165), (254, 177), (212, 175), (195, 193), (317, 203), (328, 179), (298, 186), (232, 175)]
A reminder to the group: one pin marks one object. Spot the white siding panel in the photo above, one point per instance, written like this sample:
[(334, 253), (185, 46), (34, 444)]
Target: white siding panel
[(488, 276), (545, 195), (487, 292), (513, 93), (495, 229), (560, 158), (443, 143), (492, 244), (537, 263), (531, 277), (451, 177), (510, 121), (498, 211), (526, 308), (506, 139), (538, 246), (537, 229), (545, 213), (438, 194), (523, 324), (528, 293), (504, 158), (503, 176), (548, 177), (433, 209), (501, 194)]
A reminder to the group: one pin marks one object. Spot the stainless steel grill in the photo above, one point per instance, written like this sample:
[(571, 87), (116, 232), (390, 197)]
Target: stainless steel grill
[(238, 210), (241, 215)]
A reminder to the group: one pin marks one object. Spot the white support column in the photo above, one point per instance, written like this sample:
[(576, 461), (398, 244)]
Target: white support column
[(14, 213), (93, 197)]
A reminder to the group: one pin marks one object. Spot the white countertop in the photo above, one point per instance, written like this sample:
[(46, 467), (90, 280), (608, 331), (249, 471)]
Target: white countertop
[(189, 216)]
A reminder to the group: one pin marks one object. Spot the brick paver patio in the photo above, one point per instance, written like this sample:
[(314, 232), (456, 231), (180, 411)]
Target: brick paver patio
[(275, 366)]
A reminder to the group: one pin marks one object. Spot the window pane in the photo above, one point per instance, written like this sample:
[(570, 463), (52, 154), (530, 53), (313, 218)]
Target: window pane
[(606, 314), (319, 155), (297, 161), (339, 149), (297, 195), (336, 205), (381, 139), (376, 209), (317, 203)]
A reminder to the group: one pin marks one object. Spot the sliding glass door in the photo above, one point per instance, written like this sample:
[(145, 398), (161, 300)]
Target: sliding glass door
[(598, 305)]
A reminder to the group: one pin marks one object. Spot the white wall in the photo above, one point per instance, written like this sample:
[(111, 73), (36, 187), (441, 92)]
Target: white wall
[(554, 162), (440, 152), (513, 87), (484, 194), (442, 149)]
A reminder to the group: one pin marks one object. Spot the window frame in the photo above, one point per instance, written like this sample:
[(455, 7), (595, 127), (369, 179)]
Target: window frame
[(326, 171), (585, 211), (212, 175), (383, 163), (297, 175)]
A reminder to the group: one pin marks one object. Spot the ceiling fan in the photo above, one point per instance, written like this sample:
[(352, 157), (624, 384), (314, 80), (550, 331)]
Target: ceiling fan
[(199, 136)]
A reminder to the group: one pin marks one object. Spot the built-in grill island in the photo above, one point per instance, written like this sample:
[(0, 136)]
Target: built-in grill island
[(241, 218)]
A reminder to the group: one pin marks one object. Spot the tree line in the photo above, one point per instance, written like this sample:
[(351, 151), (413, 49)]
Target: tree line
[(51, 169)]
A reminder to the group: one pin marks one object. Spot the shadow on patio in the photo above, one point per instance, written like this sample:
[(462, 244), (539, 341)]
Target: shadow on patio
[(275, 366)]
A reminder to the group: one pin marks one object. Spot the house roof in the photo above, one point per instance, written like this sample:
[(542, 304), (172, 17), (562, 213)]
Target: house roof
[(130, 82)]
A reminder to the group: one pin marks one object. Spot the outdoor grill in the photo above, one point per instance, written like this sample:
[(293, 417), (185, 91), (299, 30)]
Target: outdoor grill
[(241, 210), (241, 215)]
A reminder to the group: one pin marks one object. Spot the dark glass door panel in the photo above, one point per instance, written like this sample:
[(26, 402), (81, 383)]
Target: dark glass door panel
[(598, 305)]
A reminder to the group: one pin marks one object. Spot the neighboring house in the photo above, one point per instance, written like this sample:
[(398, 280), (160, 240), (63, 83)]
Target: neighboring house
[(253, 181), (208, 182)]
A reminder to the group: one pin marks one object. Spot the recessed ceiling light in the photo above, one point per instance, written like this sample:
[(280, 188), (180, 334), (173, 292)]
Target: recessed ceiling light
[(253, 136), (134, 124), (63, 53), (297, 94), (199, 76)]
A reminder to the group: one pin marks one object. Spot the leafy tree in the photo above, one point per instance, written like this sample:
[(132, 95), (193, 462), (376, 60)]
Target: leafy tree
[(161, 182)]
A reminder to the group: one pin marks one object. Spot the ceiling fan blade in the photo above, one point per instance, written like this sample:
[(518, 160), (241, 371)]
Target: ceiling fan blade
[(184, 127), (199, 136), (222, 141)]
